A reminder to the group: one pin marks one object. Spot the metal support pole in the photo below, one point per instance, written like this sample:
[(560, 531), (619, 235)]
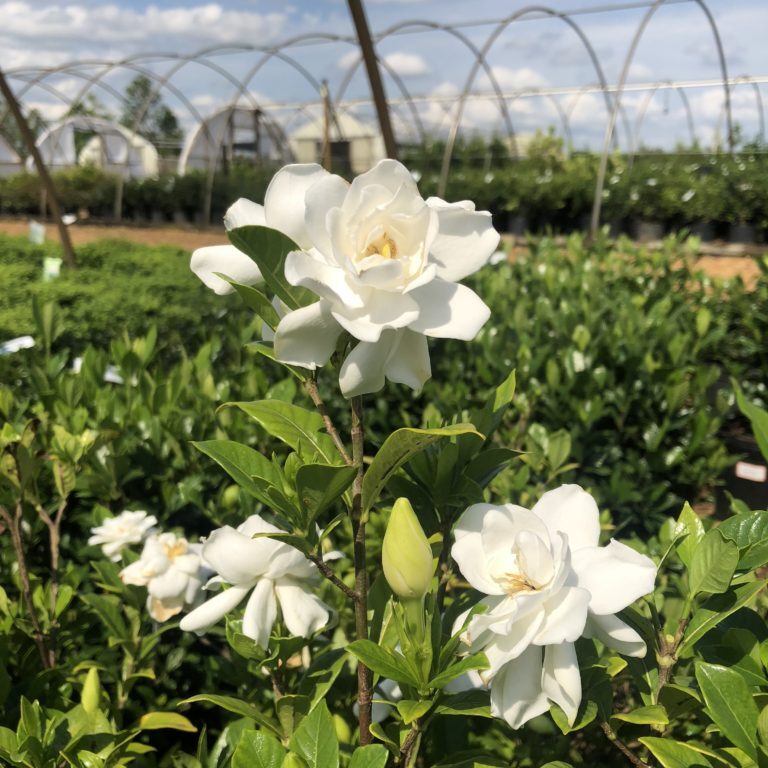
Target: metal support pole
[(374, 76), (45, 177)]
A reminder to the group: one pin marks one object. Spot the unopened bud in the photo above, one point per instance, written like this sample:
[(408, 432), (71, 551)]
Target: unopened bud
[(91, 691), (406, 554)]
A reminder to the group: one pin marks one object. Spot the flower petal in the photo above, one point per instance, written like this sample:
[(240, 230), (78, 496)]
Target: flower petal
[(327, 281), (362, 372), (214, 609), (613, 632), (303, 612), (561, 679), (244, 213), (468, 550), (448, 310), (516, 692), (465, 240), (382, 310), (235, 556), (616, 576), (565, 615), (504, 648), (574, 512), (260, 613), (389, 176), (327, 193), (307, 336), (408, 362), (227, 260), (284, 201), (172, 583)]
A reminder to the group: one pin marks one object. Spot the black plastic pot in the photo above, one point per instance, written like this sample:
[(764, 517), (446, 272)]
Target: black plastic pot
[(704, 230), (742, 233), (747, 479), (647, 231)]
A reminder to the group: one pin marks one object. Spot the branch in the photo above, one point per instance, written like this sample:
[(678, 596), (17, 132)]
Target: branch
[(314, 395), (364, 687), (14, 525), (622, 747), (326, 571), (410, 745)]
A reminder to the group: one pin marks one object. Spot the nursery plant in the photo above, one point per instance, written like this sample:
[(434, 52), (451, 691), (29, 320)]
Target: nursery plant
[(373, 593)]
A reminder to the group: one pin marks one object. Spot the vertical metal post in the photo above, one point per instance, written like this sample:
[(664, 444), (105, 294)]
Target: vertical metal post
[(374, 76), (45, 177), (327, 154)]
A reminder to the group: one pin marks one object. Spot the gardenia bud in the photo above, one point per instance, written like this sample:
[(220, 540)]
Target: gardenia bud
[(406, 554)]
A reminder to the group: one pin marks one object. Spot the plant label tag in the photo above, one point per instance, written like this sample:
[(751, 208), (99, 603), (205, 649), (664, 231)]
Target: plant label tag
[(36, 233), (757, 473)]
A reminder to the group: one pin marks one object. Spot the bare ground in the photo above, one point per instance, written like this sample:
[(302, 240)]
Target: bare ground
[(718, 260)]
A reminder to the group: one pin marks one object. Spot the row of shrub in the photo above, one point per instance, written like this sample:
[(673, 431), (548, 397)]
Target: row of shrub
[(623, 376), (550, 189)]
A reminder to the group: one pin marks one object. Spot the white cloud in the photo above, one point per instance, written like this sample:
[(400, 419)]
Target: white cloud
[(407, 64), (348, 60), (514, 79)]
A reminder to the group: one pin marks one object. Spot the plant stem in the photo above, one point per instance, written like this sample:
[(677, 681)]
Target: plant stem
[(410, 746), (622, 747), (364, 692), (314, 395), (326, 571), (14, 526), (444, 565)]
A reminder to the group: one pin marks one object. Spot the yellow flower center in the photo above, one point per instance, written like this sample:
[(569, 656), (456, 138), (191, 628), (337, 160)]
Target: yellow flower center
[(174, 550), (385, 247), (514, 583)]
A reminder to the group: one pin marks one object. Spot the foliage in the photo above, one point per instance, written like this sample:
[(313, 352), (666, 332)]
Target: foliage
[(621, 388)]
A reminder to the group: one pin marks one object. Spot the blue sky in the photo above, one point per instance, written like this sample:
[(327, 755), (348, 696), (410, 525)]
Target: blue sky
[(542, 53)]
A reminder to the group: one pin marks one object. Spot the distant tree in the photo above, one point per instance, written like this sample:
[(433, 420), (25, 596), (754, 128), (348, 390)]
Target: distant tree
[(90, 106), (11, 133), (145, 113)]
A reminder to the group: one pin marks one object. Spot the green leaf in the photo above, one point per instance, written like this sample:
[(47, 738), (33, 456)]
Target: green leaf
[(268, 248), (758, 418), (257, 749), (690, 531), (586, 714), (474, 662), (713, 564), (247, 467), (291, 710), (474, 702), (383, 661), (745, 529), (489, 418), (653, 714), (238, 706), (400, 446), (762, 726), (557, 764), (674, 754), (730, 705), (254, 299), (320, 485), (153, 721), (322, 674), (370, 756), (315, 739), (295, 426), (411, 710)]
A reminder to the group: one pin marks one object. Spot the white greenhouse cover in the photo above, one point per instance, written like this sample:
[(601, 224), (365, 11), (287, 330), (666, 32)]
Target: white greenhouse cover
[(233, 131), (10, 162), (113, 147)]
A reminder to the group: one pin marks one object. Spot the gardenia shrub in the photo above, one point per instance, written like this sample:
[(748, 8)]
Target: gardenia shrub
[(484, 626)]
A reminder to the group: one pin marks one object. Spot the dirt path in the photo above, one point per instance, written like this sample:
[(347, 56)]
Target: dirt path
[(723, 266)]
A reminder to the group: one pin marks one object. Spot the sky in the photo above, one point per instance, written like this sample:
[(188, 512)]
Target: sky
[(430, 65)]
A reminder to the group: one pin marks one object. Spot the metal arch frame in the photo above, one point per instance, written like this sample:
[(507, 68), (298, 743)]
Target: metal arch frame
[(644, 108), (435, 26), (500, 27), (746, 80), (558, 108), (649, 14), (398, 82)]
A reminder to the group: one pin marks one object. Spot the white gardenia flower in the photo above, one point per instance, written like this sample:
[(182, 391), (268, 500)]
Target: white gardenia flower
[(547, 583), (384, 263), (172, 570), (273, 572), (129, 527)]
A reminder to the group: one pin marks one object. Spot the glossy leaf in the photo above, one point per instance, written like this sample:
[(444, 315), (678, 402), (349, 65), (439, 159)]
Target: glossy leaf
[(153, 721), (297, 427), (383, 661), (238, 706), (675, 754), (320, 485), (653, 714), (713, 564), (758, 418), (730, 705), (257, 749), (315, 739), (400, 446), (690, 531), (370, 756)]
